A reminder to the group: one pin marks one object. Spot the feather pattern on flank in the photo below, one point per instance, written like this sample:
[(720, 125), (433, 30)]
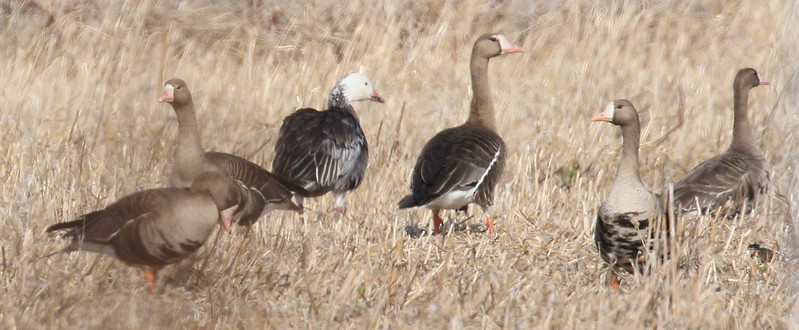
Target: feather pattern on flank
[(463, 164), (733, 180), (631, 221), (154, 228), (265, 191), (325, 151)]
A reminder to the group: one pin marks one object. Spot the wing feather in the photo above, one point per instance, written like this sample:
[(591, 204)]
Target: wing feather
[(459, 158), (321, 150), (729, 177)]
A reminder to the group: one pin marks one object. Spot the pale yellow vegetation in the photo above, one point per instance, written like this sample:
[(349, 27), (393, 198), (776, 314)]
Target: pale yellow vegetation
[(80, 127)]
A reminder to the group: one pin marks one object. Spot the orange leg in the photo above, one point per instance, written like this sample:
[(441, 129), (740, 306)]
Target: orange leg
[(490, 225), (437, 222), (615, 283), (151, 276)]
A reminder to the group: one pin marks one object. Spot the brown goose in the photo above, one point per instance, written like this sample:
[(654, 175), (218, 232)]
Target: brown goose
[(154, 228), (624, 217), (462, 165), (324, 151), (267, 191), (729, 181)]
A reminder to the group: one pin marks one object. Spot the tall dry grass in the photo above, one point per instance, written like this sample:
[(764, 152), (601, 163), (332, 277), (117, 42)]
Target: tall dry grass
[(81, 127)]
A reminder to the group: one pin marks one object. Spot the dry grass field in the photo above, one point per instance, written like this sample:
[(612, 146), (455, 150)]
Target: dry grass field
[(80, 127)]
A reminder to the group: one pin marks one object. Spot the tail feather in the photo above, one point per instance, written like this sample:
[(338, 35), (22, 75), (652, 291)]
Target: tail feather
[(294, 188), (65, 225), (407, 202)]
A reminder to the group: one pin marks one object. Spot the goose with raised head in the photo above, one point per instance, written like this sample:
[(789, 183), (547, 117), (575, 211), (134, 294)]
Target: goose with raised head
[(153, 228), (267, 191), (462, 165), (734, 179), (325, 151), (631, 210)]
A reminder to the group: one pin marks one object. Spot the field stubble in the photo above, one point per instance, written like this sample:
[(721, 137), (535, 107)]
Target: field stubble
[(81, 128)]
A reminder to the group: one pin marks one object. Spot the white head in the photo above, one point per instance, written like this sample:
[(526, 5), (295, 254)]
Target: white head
[(352, 88)]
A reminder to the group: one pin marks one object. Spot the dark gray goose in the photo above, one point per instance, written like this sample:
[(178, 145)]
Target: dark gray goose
[(267, 191), (733, 179), (624, 218), (153, 228), (462, 165), (325, 151)]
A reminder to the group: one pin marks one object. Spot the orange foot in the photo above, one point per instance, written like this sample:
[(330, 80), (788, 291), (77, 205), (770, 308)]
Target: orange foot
[(490, 225), (437, 222), (615, 283), (151, 276)]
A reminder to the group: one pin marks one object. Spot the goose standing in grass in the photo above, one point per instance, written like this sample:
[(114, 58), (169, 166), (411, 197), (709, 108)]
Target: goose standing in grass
[(462, 165), (153, 228), (733, 179), (325, 151), (267, 191), (624, 218)]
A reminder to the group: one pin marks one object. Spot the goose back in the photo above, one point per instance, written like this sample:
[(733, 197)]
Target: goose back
[(466, 161), (725, 183), (150, 228), (322, 150), (267, 191), (734, 179)]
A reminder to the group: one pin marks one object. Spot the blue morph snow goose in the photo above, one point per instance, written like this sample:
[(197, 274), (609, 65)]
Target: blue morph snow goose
[(462, 165), (153, 228), (267, 191), (325, 151), (733, 179), (624, 218)]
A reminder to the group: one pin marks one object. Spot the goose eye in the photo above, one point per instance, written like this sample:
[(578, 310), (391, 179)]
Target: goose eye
[(618, 106), (177, 87), (494, 38)]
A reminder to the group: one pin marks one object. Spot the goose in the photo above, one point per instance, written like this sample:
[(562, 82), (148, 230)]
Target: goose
[(153, 228), (325, 151), (462, 165), (732, 180), (625, 216), (268, 192)]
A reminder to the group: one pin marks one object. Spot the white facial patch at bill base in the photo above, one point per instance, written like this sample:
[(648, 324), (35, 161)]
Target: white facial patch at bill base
[(168, 95), (504, 43), (609, 111)]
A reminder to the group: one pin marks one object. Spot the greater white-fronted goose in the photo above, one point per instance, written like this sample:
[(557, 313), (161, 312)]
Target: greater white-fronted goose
[(267, 191), (153, 228), (733, 179), (325, 151), (624, 218), (462, 165)]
